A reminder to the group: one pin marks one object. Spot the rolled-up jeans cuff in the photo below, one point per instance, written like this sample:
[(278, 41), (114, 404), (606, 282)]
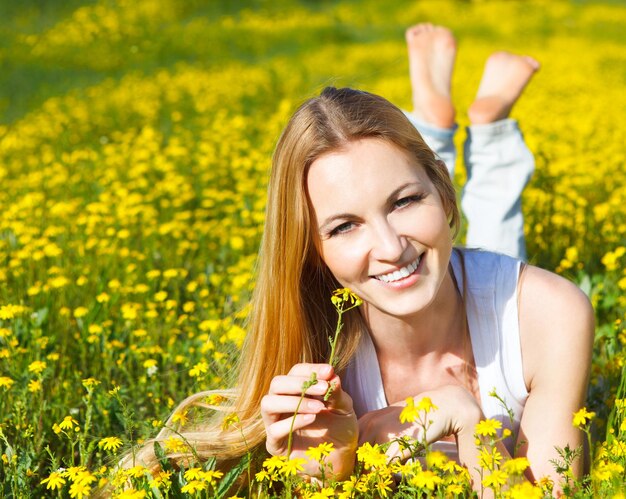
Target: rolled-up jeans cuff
[(431, 130), (494, 130)]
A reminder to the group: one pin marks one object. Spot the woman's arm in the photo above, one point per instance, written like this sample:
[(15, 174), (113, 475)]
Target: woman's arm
[(457, 414), (556, 331), (318, 421)]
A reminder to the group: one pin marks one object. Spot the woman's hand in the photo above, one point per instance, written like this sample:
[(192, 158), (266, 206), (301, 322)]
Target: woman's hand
[(457, 414), (318, 421)]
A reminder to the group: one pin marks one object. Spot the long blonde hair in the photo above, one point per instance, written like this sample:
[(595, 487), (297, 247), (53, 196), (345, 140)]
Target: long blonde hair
[(291, 315)]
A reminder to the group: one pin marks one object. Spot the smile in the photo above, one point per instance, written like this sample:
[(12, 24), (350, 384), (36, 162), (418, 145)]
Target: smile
[(396, 275)]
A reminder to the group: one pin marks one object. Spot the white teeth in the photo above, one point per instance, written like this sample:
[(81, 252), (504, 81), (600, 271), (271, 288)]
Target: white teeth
[(400, 274)]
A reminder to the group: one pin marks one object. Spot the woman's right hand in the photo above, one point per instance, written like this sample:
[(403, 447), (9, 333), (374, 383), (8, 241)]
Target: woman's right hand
[(318, 421)]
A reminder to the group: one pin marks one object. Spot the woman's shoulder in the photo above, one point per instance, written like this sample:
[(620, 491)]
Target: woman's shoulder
[(545, 293), (556, 322)]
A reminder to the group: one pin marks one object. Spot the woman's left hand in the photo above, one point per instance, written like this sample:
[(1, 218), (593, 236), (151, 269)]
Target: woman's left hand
[(456, 413)]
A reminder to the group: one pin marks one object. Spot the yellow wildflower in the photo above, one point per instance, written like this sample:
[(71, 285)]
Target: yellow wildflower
[(37, 367), (193, 487), (426, 479), (80, 312), (496, 479), (321, 451), (6, 382), (516, 466), (54, 481), (488, 427), (292, 466), (582, 416), (200, 368), (181, 418), (110, 443), (68, 423), (34, 386)]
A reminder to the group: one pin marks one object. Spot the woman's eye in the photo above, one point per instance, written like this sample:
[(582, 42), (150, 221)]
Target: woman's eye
[(400, 203), (341, 229)]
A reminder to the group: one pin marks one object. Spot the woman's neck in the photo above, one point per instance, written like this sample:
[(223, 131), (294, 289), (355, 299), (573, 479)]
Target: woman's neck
[(436, 330)]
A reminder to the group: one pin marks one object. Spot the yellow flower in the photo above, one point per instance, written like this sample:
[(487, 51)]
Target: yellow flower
[(37, 367), (323, 493), (200, 368), (345, 295), (160, 296), (174, 445), (262, 476), (6, 382), (211, 476), (180, 417), (215, 399), (489, 459), (292, 466), (454, 489), (605, 471), (80, 312), (136, 471), (321, 451), (10, 311), (102, 298), (193, 474), (436, 459), (90, 382), (34, 385), (516, 466), (54, 482), (131, 494), (161, 479), (582, 416), (274, 463), (68, 423), (426, 405), (409, 413), (488, 427), (545, 483), (229, 420), (372, 456), (496, 479), (147, 364), (110, 443), (525, 490), (193, 487), (426, 479)]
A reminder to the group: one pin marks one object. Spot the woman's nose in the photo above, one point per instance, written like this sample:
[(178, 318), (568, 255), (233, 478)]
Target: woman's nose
[(387, 243)]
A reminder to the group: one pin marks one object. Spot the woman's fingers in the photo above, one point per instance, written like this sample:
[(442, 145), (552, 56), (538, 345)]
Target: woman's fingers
[(278, 432), (322, 371), (291, 385), (275, 407)]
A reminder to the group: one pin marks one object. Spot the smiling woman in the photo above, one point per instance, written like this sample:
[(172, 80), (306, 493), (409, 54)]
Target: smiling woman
[(357, 199), (384, 229)]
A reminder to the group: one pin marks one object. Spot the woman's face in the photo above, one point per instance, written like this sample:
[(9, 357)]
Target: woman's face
[(383, 228)]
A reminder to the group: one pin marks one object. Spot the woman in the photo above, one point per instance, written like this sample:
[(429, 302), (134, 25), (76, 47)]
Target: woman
[(357, 199)]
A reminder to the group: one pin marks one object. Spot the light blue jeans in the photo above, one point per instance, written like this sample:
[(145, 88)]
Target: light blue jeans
[(499, 166)]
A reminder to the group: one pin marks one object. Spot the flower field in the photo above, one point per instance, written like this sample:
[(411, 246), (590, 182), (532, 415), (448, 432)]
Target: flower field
[(135, 142)]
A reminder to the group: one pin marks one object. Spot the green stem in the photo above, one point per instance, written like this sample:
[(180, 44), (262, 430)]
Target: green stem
[(293, 421), (333, 342)]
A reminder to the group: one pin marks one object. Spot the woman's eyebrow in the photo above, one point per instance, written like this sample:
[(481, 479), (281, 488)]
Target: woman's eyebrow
[(332, 218), (342, 216)]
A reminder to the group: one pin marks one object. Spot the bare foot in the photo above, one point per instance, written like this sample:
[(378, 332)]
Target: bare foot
[(432, 50), (503, 81)]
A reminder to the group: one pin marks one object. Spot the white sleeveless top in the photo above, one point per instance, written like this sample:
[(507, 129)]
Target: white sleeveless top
[(492, 317)]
